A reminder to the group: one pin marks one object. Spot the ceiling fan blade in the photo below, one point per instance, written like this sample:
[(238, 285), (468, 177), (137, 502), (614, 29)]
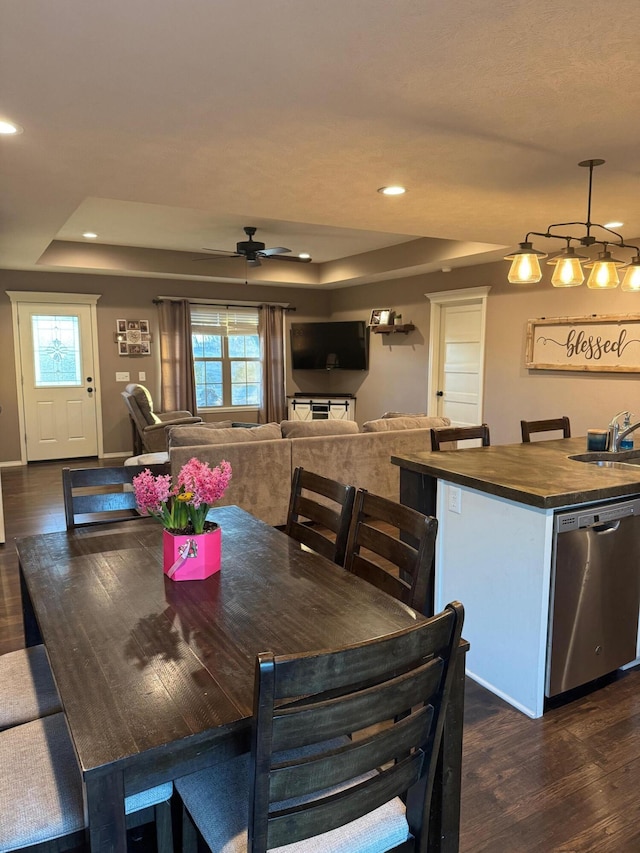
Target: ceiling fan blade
[(276, 250), (294, 259), (217, 255)]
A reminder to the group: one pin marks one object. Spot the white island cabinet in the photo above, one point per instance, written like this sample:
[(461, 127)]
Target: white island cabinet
[(494, 549), (495, 557)]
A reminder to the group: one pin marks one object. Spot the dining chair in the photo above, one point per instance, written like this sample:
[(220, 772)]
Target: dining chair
[(527, 427), (317, 500), (41, 799), (102, 495), (28, 688), (346, 774), (445, 434), (392, 546)]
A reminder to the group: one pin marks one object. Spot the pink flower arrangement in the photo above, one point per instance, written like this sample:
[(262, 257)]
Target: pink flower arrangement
[(184, 506)]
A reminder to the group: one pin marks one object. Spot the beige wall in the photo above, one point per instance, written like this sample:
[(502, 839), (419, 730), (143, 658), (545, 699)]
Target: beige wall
[(397, 375), (397, 378), (122, 297)]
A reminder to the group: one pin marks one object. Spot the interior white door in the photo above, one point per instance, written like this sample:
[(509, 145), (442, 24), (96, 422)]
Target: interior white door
[(456, 354), (460, 364), (58, 388)]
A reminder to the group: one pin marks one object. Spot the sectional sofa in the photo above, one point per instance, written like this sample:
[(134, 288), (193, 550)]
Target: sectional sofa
[(263, 458)]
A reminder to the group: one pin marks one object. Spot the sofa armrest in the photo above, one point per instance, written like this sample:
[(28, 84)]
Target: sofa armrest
[(178, 417)]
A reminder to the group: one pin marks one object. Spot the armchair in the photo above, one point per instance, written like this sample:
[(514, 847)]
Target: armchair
[(149, 427)]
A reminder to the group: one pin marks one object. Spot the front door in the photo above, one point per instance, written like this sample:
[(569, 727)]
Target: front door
[(58, 380)]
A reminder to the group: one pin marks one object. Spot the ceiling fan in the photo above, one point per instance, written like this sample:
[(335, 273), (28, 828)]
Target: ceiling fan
[(254, 252)]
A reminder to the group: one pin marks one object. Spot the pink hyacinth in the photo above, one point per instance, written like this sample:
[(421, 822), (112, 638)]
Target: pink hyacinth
[(206, 485), (152, 492), (187, 503)]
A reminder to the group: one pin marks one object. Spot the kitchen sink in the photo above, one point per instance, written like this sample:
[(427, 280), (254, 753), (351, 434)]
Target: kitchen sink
[(622, 460)]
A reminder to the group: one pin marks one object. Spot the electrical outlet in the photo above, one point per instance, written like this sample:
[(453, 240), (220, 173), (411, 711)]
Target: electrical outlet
[(455, 499), (142, 376), (122, 377)]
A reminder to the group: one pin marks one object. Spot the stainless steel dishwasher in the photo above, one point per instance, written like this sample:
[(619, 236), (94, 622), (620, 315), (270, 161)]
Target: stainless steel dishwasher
[(595, 593)]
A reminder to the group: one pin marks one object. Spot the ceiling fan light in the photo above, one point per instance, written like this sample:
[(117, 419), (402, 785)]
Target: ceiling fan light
[(525, 266), (631, 281)]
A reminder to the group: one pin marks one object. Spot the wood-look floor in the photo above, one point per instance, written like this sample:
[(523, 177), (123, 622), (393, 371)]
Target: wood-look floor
[(569, 782)]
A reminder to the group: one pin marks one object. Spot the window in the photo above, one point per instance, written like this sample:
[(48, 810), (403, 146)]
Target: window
[(226, 355)]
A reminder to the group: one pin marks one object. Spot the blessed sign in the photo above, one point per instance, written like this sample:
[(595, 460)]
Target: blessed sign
[(584, 343)]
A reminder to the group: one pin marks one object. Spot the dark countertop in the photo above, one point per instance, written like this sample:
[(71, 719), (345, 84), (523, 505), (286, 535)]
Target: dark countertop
[(539, 474)]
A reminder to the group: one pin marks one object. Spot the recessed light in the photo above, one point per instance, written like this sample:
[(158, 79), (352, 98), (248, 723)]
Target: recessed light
[(9, 128), (304, 255), (90, 235), (392, 190), (613, 224)]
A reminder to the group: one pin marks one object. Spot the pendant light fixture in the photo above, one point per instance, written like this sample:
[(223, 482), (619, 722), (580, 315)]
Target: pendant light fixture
[(525, 266)]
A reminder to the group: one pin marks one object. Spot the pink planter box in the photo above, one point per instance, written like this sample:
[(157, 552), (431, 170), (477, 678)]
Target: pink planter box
[(191, 558)]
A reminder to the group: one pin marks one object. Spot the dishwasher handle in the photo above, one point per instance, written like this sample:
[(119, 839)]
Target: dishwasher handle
[(603, 527)]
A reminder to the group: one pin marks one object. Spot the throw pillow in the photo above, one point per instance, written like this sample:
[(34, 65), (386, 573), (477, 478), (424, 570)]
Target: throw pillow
[(187, 436), (386, 424), (303, 429)]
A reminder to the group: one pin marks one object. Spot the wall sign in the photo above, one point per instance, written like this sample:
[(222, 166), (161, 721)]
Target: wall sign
[(597, 343), (133, 337)]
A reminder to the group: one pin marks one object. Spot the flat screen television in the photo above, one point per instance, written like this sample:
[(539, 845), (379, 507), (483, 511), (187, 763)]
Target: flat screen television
[(330, 346)]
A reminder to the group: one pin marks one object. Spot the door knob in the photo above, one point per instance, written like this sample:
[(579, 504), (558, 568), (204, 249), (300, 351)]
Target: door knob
[(89, 390), (439, 393)]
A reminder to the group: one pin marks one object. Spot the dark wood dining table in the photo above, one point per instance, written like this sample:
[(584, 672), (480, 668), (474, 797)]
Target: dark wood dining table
[(156, 676)]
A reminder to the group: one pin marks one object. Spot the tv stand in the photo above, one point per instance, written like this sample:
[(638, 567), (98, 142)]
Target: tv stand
[(317, 407)]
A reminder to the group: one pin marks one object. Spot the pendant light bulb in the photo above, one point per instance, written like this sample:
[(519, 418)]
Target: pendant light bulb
[(604, 273), (525, 266), (568, 269), (631, 281)]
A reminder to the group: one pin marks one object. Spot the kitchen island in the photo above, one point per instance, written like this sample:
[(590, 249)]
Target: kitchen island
[(495, 507)]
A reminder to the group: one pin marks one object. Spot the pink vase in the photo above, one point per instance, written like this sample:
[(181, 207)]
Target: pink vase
[(191, 558)]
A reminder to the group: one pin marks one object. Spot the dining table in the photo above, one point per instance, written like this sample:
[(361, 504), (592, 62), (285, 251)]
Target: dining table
[(156, 676)]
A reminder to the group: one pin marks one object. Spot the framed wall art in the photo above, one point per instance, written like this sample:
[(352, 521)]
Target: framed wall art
[(380, 317), (608, 342), (133, 337)]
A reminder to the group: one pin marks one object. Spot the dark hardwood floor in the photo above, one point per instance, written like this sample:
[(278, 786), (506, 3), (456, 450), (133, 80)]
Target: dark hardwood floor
[(569, 782)]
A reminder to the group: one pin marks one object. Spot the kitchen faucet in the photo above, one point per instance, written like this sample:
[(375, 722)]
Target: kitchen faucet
[(615, 436)]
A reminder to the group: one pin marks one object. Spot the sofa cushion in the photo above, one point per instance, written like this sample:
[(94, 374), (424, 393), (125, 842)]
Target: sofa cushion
[(408, 422), (302, 429), (200, 436)]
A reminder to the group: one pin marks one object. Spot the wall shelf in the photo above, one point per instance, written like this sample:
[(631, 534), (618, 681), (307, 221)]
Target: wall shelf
[(393, 330)]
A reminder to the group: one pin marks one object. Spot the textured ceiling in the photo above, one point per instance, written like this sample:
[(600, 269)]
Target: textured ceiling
[(167, 126)]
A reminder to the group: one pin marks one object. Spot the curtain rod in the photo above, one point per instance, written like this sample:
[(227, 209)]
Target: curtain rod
[(220, 303)]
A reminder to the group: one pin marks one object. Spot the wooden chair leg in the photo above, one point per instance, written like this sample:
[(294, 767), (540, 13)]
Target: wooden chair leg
[(189, 833), (164, 828)]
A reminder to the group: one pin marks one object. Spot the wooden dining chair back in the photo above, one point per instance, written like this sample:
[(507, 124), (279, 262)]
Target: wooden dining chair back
[(319, 514), (392, 546), (345, 745), (442, 435), (528, 427), (102, 495)]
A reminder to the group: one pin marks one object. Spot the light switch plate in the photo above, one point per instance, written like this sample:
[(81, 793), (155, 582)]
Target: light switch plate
[(142, 376), (455, 499), (122, 377)]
